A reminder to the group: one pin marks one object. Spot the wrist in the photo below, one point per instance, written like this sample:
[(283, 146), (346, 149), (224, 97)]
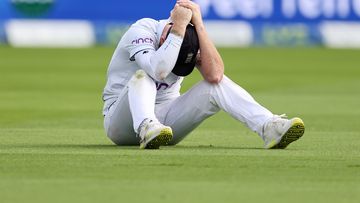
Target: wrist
[(179, 29), (197, 21), (200, 29)]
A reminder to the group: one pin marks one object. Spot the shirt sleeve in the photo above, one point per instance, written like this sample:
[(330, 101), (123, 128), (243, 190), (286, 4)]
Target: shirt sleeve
[(138, 40), (158, 64)]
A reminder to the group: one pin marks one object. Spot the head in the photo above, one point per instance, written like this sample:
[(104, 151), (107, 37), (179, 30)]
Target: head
[(187, 56)]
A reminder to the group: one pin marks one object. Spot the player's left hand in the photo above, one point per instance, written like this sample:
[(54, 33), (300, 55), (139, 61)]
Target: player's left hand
[(196, 12)]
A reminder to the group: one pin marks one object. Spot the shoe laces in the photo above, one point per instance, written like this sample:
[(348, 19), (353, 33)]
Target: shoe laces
[(145, 122), (281, 116), (275, 122), (278, 120)]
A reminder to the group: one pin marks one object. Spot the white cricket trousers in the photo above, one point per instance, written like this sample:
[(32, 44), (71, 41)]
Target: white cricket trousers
[(184, 113)]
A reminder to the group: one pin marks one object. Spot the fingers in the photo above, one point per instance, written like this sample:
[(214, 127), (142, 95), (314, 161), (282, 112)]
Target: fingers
[(181, 15), (181, 9), (186, 3), (178, 6)]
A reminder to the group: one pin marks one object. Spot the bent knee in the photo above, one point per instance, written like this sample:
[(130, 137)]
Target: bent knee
[(139, 75)]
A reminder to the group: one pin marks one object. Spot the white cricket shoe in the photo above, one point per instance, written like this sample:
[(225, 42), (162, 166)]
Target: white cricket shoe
[(278, 132), (154, 134)]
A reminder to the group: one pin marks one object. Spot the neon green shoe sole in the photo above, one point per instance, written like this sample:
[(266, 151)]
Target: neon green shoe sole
[(163, 138), (296, 130)]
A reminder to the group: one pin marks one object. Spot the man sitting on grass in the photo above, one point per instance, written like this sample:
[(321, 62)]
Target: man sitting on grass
[(142, 101)]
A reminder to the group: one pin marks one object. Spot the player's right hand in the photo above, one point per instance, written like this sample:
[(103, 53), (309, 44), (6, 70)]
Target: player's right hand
[(196, 11), (181, 15)]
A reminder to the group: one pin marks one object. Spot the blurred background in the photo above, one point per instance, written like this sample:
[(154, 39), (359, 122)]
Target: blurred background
[(235, 23), (299, 57)]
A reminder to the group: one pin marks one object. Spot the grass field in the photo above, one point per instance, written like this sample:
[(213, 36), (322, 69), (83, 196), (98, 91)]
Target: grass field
[(53, 147)]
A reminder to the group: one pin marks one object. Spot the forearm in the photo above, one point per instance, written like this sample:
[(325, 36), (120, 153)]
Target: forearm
[(180, 17), (158, 64), (212, 65), (178, 29)]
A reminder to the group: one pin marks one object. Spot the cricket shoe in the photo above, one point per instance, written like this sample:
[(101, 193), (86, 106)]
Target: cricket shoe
[(154, 134), (279, 132)]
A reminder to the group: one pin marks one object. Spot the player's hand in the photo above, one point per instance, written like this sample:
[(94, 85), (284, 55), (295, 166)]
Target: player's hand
[(195, 8), (181, 15)]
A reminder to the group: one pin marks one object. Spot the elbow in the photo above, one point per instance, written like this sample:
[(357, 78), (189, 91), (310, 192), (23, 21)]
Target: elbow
[(215, 79), (161, 70), (216, 76), (160, 75)]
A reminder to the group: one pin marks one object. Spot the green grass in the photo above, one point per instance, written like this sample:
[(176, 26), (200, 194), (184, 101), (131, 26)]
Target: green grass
[(53, 147)]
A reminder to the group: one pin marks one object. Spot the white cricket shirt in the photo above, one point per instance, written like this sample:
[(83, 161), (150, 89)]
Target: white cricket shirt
[(142, 36)]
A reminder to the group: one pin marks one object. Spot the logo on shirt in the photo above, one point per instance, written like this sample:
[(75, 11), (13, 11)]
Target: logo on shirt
[(163, 86), (146, 40)]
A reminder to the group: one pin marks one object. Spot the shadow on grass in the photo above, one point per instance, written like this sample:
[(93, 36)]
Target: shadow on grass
[(214, 147), (68, 146), (116, 147)]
